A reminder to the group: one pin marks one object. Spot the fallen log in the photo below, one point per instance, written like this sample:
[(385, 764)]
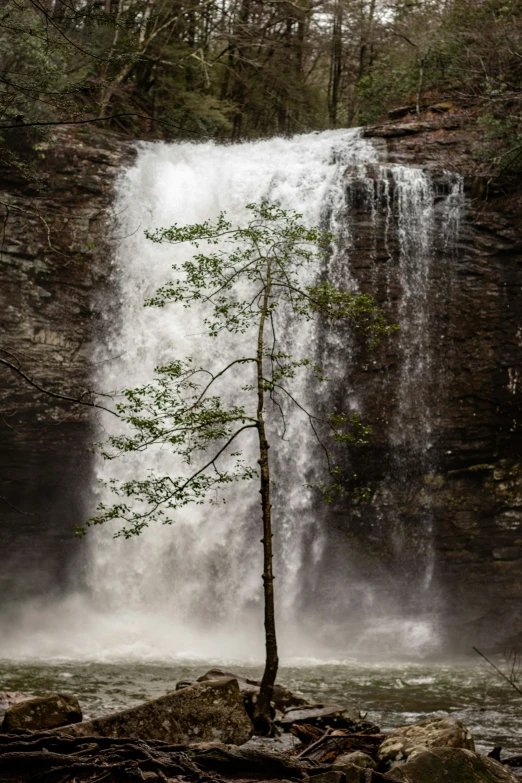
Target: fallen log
[(51, 757), (306, 733), (48, 757)]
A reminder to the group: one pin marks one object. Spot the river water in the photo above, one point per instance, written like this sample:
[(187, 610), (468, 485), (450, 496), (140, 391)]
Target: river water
[(392, 695)]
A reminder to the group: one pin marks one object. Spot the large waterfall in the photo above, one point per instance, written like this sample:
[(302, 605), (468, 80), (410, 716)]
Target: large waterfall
[(194, 588)]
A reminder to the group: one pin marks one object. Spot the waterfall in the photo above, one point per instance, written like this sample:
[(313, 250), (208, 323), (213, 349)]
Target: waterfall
[(194, 588)]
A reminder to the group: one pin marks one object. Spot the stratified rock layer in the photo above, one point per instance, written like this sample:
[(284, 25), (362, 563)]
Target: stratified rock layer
[(54, 266), (438, 542)]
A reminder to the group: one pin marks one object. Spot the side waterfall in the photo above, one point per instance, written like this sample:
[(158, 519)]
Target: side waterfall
[(194, 588)]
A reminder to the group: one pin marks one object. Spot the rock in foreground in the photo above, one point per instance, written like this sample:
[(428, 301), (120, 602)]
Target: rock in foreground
[(282, 698), (53, 757), (357, 758), (451, 765), (205, 712), (431, 733), (43, 712), (8, 698)]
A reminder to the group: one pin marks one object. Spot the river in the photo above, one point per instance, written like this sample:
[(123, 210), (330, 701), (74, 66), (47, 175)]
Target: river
[(392, 694)]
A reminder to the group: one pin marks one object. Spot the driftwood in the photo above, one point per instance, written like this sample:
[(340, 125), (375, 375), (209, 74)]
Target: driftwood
[(306, 733), (53, 757), (333, 743)]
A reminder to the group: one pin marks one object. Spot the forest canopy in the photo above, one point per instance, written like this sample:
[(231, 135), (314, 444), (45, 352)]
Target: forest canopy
[(181, 69)]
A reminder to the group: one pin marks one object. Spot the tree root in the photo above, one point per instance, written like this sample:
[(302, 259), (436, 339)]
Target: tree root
[(43, 757)]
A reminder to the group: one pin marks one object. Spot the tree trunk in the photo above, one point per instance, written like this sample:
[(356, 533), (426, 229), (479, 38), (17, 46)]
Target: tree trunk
[(336, 64), (262, 721), (422, 63)]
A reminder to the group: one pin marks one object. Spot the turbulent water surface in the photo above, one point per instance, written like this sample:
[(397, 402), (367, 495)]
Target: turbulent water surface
[(392, 694)]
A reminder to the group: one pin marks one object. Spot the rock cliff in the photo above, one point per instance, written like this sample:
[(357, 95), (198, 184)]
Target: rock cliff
[(444, 517), (54, 261), (467, 489)]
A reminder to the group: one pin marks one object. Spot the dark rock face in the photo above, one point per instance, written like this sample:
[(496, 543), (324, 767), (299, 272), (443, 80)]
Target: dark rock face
[(54, 260), (44, 712), (442, 529)]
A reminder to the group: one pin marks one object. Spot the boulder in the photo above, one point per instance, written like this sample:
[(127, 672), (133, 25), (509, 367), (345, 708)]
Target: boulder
[(282, 698), (204, 712), (8, 698), (357, 758), (248, 692), (323, 715), (43, 712), (430, 733), (451, 765)]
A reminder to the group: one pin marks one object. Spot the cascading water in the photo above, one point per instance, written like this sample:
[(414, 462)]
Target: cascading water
[(201, 578), (194, 588)]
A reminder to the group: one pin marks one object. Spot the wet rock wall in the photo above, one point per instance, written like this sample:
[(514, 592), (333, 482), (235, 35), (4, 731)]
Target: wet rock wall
[(54, 261)]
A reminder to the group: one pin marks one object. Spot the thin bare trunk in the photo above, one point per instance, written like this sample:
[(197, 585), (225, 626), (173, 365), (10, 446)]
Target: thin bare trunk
[(262, 720), (419, 89), (422, 63), (107, 93), (336, 65)]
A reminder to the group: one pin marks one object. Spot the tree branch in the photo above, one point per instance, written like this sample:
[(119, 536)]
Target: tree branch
[(67, 398)]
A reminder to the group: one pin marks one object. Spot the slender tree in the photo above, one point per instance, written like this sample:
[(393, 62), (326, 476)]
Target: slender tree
[(248, 281)]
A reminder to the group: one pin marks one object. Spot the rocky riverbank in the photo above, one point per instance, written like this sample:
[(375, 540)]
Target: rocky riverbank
[(202, 731)]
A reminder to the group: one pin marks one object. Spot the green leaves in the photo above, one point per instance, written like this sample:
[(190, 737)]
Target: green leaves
[(359, 309), (273, 234), (349, 429), (244, 280)]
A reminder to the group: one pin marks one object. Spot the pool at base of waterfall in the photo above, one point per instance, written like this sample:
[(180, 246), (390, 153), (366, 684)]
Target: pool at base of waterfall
[(392, 695)]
